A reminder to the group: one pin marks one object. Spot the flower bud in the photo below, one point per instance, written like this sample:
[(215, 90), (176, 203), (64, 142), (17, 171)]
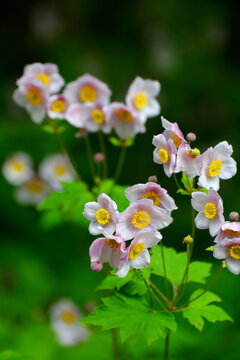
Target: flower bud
[(234, 216), (98, 158), (96, 266), (153, 178), (191, 137), (188, 240), (81, 133), (195, 152)]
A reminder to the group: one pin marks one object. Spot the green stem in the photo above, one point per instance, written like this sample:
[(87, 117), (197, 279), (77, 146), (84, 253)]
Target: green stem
[(90, 156), (115, 344), (153, 294), (120, 163), (166, 351), (103, 151), (176, 181), (159, 292), (164, 269)]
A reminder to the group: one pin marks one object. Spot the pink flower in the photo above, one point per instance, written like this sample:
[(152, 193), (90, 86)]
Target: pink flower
[(210, 208), (57, 106), (228, 230), (151, 191), (124, 120), (139, 215), (165, 153), (188, 160), (141, 97), (229, 249), (173, 132), (74, 115), (87, 88), (101, 213), (45, 75), (137, 255), (217, 163)]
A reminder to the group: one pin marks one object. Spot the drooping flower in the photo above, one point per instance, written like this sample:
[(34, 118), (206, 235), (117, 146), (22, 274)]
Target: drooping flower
[(108, 249), (87, 88), (151, 191), (229, 249), (173, 132), (32, 96), (46, 75), (141, 97), (188, 160), (217, 163), (210, 208), (126, 122), (228, 230), (102, 213), (65, 317), (18, 168), (57, 106), (55, 169), (32, 192), (165, 153), (137, 255), (139, 215)]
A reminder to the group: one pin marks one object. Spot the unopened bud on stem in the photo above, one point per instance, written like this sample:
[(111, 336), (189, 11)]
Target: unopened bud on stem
[(191, 137), (188, 240), (153, 179), (98, 158), (234, 215)]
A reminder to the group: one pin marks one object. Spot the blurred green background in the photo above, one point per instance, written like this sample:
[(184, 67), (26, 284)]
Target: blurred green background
[(191, 48)]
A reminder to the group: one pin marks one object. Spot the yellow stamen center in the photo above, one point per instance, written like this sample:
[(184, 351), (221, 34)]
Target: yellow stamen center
[(98, 116), (35, 186), (124, 115), (16, 165), (210, 210), (88, 94), (141, 101), (215, 168), (176, 139), (234, 252), (136, 250), (163, 155), (141, 219), (68, 317), (152, 196), (34, 96), (60, 170), (193, 153), (58, 106), (113, 244), (43, 78), (103, 216), (232, 232)]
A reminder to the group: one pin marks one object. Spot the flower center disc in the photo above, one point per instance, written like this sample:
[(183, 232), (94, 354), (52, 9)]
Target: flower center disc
[(88, 94), (34, 186), (176, 139), (58, 106), (43, 78), (68, 317), (141, 219), (232, 232), (210, 210), (103, 216), (98, 116), (16, 166), (113, 244), (234, 252), (141, 101), (136, 250), (163, 155), (124, 115), (152, 196), (60, 170), (215, 168), (34, 96)]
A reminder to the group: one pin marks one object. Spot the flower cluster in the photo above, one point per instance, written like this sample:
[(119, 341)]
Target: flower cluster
[(65, 317), (149, 210), (33, 187), (85, 102)]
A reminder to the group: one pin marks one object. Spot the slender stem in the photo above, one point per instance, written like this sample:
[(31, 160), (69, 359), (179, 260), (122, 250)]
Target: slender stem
[(166, 351), (120, 163), (90, 155), (182, 286), (164, 269), (176, 181), (115, 344), (158, 291), (103, 151), (63, 146), (153, 294), (193, 224)]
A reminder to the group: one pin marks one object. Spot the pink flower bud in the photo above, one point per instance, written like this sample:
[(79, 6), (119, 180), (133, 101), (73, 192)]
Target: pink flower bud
[(153, 178), (98, 158), (96, 266), (81, 133), (191, 137), (234, 216)]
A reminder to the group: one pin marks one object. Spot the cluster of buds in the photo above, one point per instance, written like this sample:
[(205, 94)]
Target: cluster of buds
[(85, 102), (33, 187), (149, 211)]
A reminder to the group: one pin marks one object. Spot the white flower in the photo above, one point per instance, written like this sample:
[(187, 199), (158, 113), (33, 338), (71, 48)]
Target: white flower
[(217, 163), (165, 153), (46, 75), (87, 88), (210, 208), (57, 106), (229, 249), (32, 192), (173, 132), (188, 160), (124, 120), (141, 97), (17, 169), (55, 169)]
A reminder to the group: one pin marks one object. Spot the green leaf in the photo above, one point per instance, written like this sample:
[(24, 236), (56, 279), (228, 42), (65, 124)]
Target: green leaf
[(187, 182), (210, 248), (203, 190), (105, 187), (10, 355), (115, 141), (176, 264), (112, 282), (131, 315), (118, 195), (202, 308), (183, 192)]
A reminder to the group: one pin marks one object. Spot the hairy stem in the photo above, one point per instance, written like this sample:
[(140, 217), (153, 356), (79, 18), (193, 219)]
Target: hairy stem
[(120, 163)]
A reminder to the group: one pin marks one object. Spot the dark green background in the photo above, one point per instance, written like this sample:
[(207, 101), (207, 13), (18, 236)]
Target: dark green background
[(191, 48)]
